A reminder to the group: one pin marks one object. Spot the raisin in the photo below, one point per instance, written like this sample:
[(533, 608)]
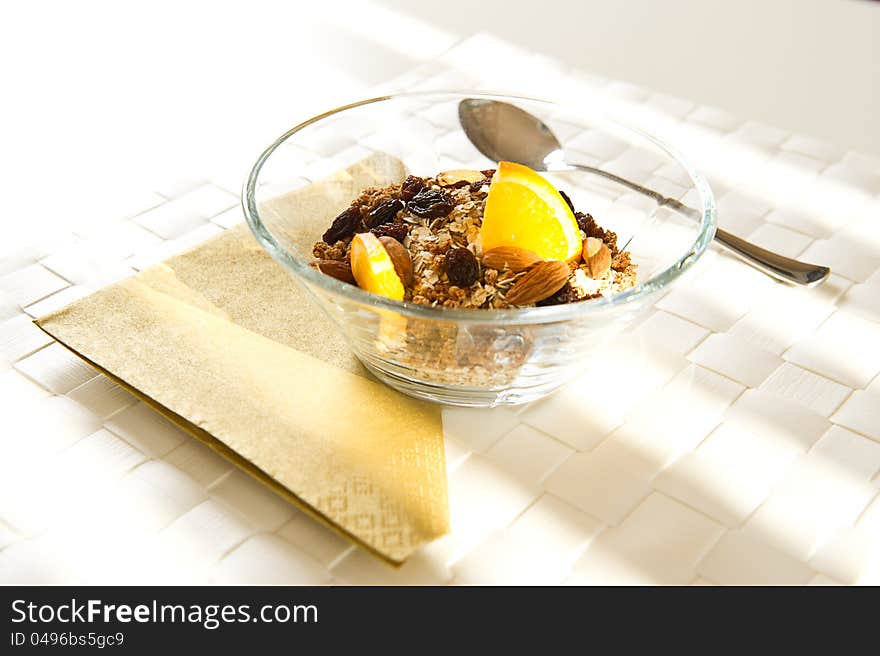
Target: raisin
[(410, 187), (397, 231), (566, 294), (384, 212), (478, 185), (588, 224), (431, 204), (566, 199), (461, 267), (343, 226), (488, 173)]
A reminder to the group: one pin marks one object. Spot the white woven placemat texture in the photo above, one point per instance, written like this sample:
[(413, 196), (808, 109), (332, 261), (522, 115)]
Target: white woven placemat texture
[(736, 438)]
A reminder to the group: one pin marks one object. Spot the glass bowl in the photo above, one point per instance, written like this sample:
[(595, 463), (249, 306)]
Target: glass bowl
[(474, 357)]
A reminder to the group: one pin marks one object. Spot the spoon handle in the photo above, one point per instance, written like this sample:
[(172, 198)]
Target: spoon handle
[(773, 264)]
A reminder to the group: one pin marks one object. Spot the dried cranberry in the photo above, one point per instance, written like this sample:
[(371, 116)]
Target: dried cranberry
[(461, 267), (410, 187), (397, 231), (431, 204), (384, 212), (566, 199), (343, 226)]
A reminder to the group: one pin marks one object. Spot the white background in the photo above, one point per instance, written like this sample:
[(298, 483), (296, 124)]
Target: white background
[(109, 95)]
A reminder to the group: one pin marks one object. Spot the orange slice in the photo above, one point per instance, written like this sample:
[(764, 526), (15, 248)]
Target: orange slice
[(525, 210), (373, 268)]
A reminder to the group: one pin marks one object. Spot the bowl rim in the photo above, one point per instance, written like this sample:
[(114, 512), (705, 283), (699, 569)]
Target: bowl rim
[(545, 314)]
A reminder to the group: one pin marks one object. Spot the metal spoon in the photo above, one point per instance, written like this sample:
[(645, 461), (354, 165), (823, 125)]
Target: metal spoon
[(502, 131)]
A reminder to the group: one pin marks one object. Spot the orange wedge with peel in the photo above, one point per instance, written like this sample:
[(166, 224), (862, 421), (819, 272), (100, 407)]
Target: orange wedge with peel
[(373, 268), (524, 210)]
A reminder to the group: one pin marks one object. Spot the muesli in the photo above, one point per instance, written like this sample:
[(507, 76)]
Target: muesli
[(489, 239)]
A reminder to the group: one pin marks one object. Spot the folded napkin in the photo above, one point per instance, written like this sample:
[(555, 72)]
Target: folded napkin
[(223, 342)]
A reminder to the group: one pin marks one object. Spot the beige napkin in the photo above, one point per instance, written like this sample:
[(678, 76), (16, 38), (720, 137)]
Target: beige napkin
[(224, 343)]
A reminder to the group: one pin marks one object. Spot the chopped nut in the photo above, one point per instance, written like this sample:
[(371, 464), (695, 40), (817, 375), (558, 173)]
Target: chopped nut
[(459, 177), (539, 282), (400, 258), (597, 257), (510, 257), (337, 269)]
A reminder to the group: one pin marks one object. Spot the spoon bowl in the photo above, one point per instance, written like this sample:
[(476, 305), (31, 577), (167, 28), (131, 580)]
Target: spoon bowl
[(503, 131)]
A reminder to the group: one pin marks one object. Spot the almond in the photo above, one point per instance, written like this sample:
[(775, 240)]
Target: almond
[(510, 257), (400, 258), (542, 280), (457, 177), (597, 257), (336, 269)]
